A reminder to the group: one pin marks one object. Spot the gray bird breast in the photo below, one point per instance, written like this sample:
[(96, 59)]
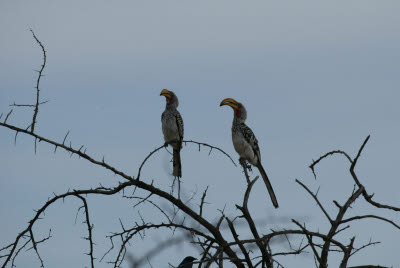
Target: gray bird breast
[(243, 148), (169, 127)]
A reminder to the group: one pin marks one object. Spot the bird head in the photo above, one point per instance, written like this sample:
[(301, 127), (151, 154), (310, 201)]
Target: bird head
[(187, 262), (170, 97), (238, 108)]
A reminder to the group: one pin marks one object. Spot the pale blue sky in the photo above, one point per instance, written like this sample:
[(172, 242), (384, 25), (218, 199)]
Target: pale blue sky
[(314, 76)]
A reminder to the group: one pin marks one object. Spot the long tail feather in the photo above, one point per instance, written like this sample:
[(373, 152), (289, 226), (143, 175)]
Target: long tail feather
[(177, 171), (268, 184)]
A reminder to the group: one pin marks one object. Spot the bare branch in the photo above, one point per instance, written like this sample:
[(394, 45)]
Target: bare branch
[(316, 200), (89, 226), (370, 217), (144, 161), (38, 82), (310, 242), (5, 120), (212, 147), (366, 196), (34, 245), (241, 246), (202, 201), (335, 225), (27, 105), (207, 236), (314, 163)]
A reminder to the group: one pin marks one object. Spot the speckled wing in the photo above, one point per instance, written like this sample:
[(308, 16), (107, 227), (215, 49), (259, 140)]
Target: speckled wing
[(179, 123), (250, 139)]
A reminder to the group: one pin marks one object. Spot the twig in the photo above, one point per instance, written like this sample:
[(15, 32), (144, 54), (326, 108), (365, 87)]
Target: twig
[(241, 246), (202, 201), (38, 82), (314, 163), (5, 120), (212, 147), (89, 226), (316, 199)]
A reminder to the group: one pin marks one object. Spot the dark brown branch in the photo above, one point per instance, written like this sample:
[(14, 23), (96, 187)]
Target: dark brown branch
[(371, 217), (178, 203), (34, 245), (366, 196), (202, 201), (293, 252), (38, 82), (68, 149), (211, 237), (140, 227), (42, 240), (347, 254), (246, 214), (359, 151), (51, 201), (310, 242), (241, 246), (18, 251), (5, 120), (205, 253), (144, 161), (335, 225), (156, 250), (130, 233), (146, 199), (27, 105), (314, 163), (316, 200), (369, 266), (370, 243), (211, 147), (89, 226)]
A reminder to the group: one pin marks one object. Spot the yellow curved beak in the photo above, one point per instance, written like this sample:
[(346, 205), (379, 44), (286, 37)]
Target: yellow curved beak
[(166, 93), (230, 102)]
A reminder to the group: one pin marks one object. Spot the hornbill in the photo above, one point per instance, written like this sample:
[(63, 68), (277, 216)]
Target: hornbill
[(245, 142)]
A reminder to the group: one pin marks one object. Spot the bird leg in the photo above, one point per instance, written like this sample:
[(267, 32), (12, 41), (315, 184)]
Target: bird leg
[(242, 161), (245, 164)]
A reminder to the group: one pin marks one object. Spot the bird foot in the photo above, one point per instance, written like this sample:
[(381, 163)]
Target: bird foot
[(244, 163)]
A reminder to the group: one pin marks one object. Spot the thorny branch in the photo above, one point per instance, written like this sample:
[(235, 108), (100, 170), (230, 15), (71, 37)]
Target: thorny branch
[(209, 238), (211, 148), (90, 227), (38, 82)]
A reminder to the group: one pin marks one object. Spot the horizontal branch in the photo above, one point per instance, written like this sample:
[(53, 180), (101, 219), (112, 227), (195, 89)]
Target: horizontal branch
[(68, 149), (142, 185), (371, 217), (211, 148)]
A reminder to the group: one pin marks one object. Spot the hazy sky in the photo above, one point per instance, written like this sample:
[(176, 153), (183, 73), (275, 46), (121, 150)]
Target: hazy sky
[(314, 76)]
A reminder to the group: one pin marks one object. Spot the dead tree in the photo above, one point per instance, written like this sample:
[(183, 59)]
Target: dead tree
[(220, 243)]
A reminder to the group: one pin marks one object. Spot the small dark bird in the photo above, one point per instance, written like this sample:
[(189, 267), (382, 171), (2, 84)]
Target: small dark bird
[(187, 262), (246, 143), (172, 128)]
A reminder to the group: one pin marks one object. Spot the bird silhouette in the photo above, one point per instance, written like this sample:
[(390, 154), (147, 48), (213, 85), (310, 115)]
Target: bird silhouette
[(187, 262)]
